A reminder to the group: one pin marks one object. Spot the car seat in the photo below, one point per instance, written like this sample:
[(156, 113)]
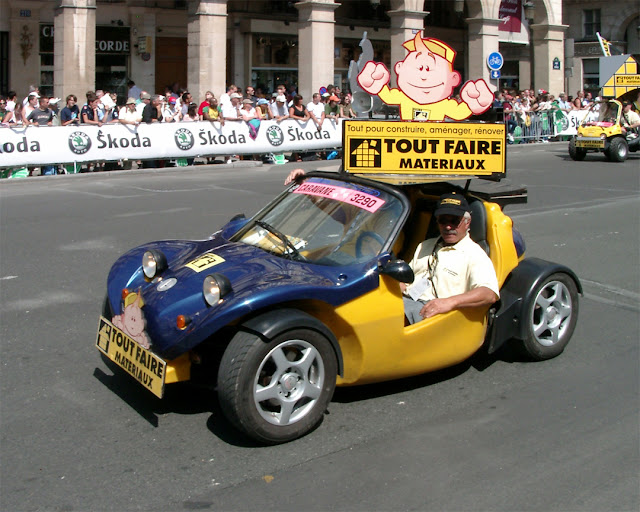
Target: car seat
[(478, 227)]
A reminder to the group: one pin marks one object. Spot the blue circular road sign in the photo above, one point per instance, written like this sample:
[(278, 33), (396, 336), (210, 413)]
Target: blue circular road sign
[(495, 61)]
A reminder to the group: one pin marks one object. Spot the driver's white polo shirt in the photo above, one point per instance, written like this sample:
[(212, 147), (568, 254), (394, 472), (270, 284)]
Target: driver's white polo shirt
[(452, 269)]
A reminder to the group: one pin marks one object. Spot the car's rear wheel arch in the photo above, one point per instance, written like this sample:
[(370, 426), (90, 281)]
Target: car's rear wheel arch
[(271, 323), (517, 296)]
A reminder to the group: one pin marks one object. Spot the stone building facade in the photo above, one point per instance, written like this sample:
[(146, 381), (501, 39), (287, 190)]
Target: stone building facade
[(617, 22), (71, 46)]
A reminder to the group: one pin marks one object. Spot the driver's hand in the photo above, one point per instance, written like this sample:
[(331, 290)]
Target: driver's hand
[(436, 307), (293, 175)]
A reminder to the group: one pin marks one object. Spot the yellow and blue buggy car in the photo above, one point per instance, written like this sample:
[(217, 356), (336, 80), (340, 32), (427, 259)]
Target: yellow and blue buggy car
[(278, 309)]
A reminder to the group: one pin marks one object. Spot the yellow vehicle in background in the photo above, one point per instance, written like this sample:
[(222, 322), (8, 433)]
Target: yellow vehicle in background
[(601, 130)]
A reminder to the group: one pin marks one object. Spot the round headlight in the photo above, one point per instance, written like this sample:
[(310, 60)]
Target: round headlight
[(215, 287), (211, 290), (153, 263)]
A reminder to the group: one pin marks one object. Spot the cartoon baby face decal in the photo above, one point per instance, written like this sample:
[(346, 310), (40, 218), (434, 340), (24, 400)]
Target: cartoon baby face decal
[(426, 80), (131, 321)]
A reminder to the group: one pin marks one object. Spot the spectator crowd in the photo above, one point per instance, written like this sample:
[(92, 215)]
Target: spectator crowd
[(251, 106), (175, 105)]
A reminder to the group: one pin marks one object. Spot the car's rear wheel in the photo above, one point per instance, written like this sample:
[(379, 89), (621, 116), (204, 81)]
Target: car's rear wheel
[(551, 317), (618, 150), (576, 153), (278, 390)]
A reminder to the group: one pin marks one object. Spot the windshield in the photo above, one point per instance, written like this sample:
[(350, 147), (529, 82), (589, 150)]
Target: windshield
[(603, 114), (325, 221)]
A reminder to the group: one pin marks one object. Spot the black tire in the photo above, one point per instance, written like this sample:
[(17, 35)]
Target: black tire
[(106, 308), (551, 317), (576, 153), (618, 150), (277, 391)]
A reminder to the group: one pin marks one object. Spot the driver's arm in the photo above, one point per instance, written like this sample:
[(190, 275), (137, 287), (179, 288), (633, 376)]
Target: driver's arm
[(478, 297)]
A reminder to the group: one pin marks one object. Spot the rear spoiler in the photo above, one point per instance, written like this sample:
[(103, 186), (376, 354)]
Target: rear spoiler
[(502, 194)]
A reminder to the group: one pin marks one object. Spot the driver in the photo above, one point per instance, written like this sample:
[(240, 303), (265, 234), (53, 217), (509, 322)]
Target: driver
[(451, 271), (630, 120)]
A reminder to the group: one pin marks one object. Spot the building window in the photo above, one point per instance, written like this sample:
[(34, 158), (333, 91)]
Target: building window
[(46, 60), (591, 76), (4, 62), (591, 23)]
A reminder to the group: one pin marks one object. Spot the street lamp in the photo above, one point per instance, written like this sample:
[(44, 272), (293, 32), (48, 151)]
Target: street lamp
[(529, 10), (458, 6), (529, 14)]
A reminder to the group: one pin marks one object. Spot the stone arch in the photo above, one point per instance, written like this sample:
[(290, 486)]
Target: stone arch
[(545, 14), (482, 8), (619, 33)]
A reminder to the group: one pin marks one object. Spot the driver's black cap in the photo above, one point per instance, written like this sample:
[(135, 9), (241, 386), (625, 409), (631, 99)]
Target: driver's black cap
[(451, 204)]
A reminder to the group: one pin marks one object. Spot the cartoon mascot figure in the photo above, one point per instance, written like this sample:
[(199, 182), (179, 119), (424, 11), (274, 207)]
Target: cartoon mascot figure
[(426, 80), (131, 321)]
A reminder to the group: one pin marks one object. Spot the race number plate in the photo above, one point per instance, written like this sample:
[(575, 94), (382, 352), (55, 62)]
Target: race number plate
[(142, 364)]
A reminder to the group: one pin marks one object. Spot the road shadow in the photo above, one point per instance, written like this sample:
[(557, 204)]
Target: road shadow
[(593, 159), (190, 398), (480, 361)]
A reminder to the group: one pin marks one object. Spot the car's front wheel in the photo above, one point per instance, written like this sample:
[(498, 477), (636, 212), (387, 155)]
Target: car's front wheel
[(276, 391), (576, 153), (551, 317)]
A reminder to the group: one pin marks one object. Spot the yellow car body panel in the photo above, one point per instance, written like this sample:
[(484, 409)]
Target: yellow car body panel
[(377, 346)]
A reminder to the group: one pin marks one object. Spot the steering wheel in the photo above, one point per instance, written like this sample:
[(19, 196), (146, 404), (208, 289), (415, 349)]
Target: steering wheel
[(367, 236)]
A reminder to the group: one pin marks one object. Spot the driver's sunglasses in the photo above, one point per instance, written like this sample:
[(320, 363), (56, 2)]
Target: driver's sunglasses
[(449, 220)]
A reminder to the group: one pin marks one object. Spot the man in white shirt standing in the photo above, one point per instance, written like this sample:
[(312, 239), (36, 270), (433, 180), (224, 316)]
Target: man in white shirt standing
[(316, 110), (451, 271)]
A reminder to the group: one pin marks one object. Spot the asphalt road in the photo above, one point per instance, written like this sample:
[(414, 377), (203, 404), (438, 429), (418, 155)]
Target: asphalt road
[(499, 434)]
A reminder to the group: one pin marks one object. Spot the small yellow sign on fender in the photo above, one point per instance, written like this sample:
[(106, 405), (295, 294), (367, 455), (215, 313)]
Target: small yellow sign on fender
[(424, 148), (204, 262)]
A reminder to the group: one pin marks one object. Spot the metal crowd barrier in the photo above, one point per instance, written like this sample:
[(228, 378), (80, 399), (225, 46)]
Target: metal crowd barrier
[(530, 127)]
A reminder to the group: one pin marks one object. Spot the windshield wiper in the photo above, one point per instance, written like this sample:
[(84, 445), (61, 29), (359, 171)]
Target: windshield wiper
[(283, 238)]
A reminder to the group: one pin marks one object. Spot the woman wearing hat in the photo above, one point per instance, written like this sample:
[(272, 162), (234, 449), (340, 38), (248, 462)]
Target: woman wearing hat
[(248, 111), (265, 111)]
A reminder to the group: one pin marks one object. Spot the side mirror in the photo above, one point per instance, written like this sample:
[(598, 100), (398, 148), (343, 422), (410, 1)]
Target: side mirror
[(398, 270)]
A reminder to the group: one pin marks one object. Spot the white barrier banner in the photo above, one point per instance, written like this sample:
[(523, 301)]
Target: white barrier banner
[(570, 122), (39, 145)]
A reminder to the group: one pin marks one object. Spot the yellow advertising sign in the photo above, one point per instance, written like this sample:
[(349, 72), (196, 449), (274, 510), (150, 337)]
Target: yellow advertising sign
[(628, 80), (624, 79), (142, 364), (204, 262), (424, 148)]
